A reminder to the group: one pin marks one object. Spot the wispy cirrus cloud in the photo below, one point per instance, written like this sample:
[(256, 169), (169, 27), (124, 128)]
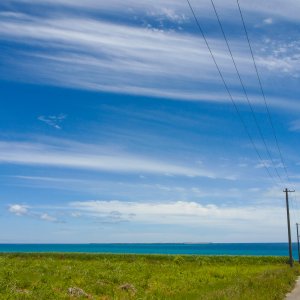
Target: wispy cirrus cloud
[(286, 10), (53, 121), (143, 189), (85, 53), (91, 157), (91, 54)]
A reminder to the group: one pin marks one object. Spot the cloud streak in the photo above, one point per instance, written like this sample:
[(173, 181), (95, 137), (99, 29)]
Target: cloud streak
[(285, 10), (92, 157), (85, 53), (53, 121), (176, 212), (97, 48)]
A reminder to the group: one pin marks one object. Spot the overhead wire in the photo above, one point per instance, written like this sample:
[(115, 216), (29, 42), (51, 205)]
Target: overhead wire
[(262, 92), (230, 95), (246, 94), (293, 199)]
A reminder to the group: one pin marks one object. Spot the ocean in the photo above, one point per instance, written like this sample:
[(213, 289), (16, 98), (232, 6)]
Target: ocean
[(264, 249)]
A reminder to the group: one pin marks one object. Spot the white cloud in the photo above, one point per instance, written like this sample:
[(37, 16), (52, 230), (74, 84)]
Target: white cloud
[(86, 56), (179, 212), (184, 220), (91, 157), (287, 9), (281, 56), (18, 209), (47, 217), (53, 121), (98, 55), (285, 64), (22, 210), (268, 21)]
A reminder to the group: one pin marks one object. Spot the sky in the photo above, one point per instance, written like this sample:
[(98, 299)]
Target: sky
[(116, 126)]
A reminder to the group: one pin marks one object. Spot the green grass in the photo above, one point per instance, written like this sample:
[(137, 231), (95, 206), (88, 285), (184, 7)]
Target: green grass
[(48, 276)]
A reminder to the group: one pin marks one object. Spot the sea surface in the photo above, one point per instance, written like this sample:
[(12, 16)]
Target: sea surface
[(273, 249)]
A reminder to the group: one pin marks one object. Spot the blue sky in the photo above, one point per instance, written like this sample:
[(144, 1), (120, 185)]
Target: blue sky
[(115, 126)]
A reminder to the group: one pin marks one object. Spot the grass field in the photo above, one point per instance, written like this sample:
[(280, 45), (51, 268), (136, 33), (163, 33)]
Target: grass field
[(83, 276)]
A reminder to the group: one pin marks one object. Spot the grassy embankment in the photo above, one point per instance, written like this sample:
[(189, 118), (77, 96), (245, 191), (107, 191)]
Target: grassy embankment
[(50, 276)]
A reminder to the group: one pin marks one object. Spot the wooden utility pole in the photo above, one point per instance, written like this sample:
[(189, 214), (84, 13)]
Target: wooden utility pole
[(286, 191), (297, 225)]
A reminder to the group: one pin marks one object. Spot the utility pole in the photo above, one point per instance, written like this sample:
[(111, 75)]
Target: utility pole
[(297, 225), (286, 191)]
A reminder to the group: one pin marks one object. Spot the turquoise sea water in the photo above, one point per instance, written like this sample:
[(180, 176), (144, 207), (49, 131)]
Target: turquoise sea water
[(276, 249)]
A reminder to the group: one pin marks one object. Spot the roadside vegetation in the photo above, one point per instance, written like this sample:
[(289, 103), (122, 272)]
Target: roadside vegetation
[(95, 276)]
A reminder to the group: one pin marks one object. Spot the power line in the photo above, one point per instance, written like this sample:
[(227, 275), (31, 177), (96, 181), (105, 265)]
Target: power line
[(245, 92), (229, 93), (295, 210), (262, 91)]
